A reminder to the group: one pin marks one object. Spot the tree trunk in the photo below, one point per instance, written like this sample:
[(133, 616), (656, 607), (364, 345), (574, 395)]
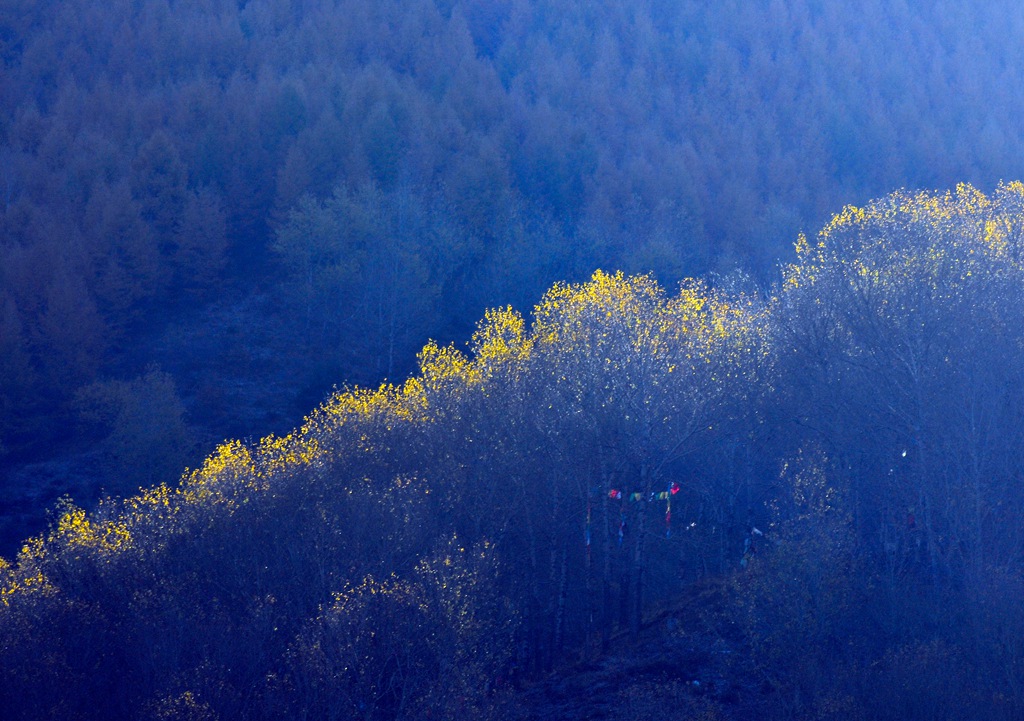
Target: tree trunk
[(637, 592), (606, 568), (563, 585)]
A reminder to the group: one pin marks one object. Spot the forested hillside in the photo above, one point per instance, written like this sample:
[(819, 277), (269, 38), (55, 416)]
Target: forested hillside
[(841, 455), (212, 211)]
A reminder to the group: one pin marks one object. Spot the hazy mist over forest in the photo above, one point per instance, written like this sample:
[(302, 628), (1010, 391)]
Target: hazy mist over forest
[(216, 213)]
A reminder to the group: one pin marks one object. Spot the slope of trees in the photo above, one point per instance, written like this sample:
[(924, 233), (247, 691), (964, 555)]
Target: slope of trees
[(845, 451), (161, 159)]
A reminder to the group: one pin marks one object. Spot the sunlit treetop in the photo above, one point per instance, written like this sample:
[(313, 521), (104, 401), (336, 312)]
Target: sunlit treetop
[(500, 341), (568, 311), (938, 239)]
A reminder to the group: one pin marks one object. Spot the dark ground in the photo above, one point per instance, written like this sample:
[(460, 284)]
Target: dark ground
[(690, 662)]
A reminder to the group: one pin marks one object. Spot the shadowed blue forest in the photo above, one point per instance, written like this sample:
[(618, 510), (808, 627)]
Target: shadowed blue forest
[(766, 463)]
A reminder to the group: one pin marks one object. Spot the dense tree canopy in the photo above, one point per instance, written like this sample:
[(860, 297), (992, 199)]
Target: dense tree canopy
[(339, 180), (845, 448), (212, 211)]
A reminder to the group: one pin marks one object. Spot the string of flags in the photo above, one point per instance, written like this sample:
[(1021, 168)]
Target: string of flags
[(617, 495)]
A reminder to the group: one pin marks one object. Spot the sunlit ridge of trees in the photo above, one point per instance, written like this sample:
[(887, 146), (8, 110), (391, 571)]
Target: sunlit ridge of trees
[(156, 155), (536, 498)]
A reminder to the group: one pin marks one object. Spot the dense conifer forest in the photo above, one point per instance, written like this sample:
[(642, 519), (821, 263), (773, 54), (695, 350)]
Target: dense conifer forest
[(771, 453)]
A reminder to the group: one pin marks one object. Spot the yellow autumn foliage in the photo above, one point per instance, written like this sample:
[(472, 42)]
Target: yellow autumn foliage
[(621, 338)]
